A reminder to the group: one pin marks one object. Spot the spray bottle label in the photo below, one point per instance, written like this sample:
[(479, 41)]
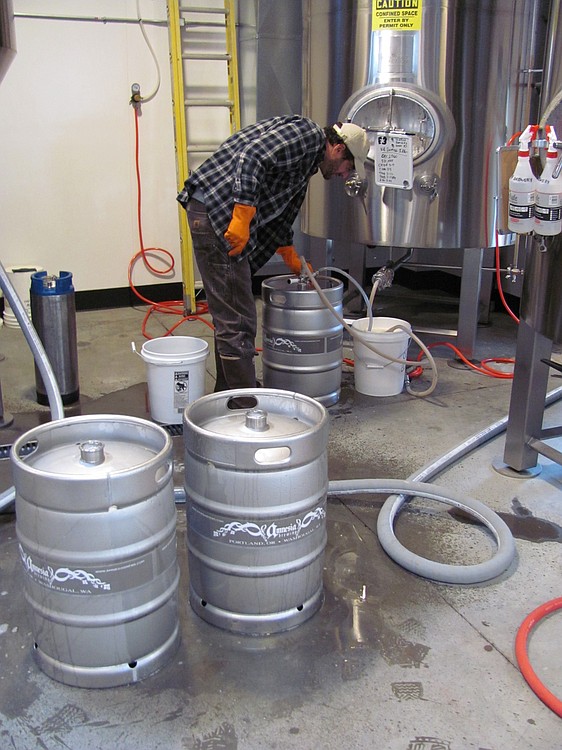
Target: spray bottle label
[(548, 213), (521, 205)]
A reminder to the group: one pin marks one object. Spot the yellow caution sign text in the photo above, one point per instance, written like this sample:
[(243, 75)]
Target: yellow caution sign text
[(399, 15)]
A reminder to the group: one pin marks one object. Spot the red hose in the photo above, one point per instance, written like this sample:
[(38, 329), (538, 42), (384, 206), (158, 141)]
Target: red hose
[(174, 307), (548, 698)]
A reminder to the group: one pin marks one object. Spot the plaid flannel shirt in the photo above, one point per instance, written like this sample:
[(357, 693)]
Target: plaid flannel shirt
[(266, 165)]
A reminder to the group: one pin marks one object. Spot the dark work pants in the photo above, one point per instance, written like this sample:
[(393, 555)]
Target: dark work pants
[(228, 287)]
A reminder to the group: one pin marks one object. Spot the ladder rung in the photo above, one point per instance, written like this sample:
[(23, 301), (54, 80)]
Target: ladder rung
[(205, 56), (208, 103), (202, 149), (188, 25), (193, 9)]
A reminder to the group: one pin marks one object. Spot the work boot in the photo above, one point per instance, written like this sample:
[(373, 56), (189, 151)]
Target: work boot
[(220, 383), (239, 373)]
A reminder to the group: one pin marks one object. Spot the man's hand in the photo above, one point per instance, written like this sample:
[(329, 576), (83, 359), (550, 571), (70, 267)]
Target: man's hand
[(291, 259), (238, 232)]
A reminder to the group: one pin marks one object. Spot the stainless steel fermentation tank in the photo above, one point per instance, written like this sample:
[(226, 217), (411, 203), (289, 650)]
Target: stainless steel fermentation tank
[(455, 78)]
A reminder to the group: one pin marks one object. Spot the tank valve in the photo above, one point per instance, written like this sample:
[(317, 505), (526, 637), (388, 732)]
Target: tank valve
[(513, 273), (429, 185), (384, 276), (354, 186)]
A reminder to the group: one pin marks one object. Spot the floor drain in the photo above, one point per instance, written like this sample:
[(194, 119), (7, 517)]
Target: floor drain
[(174, 429)]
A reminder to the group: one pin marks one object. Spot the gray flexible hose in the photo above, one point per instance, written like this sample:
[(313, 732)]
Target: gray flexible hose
[(359, 288), (431, 470), (41, 360), (393, 505), (421, 566), (35, 344)]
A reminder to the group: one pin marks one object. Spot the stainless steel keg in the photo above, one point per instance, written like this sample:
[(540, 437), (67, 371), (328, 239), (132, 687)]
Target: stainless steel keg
[(256, 482), (53, 312), (96, 525), (302, 339)]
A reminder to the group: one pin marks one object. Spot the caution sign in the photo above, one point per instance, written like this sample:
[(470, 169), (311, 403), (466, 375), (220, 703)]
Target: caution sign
[(399, 15)]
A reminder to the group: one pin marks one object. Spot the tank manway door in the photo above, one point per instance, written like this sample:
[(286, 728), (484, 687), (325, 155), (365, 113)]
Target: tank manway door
[(406, 127)]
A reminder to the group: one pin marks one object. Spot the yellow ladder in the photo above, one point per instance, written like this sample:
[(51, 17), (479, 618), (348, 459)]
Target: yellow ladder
[(180, 54)]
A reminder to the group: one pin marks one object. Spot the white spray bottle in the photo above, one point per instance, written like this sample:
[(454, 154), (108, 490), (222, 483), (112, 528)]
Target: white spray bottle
[(548, 196), (522, 187)]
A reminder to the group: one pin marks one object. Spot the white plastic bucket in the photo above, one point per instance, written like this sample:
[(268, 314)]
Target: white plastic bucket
[(175, 375), (374, 374)]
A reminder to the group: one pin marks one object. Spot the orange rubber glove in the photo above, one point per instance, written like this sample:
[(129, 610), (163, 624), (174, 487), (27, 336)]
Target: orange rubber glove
[(291, 259), (238, 232)]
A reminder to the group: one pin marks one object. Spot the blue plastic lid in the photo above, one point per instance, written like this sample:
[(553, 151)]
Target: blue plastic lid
[(43, 284)]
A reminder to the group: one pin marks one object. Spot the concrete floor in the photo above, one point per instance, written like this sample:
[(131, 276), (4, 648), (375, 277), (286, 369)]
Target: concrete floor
[(392, 661)]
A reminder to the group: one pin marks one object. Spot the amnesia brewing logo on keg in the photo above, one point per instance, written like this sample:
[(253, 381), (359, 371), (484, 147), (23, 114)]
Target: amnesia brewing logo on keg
[(302, 345), (282, 344), (276, 532), (62, 579)]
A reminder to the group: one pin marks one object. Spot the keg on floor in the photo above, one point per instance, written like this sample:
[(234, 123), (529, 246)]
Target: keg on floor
[(256, 482), (53, 312), (302, 339), (96, 525)]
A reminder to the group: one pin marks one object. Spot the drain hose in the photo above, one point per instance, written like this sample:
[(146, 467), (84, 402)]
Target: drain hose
[(419, 565), (391, 508)]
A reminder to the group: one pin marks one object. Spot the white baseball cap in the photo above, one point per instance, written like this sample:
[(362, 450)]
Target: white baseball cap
[(355, 138)]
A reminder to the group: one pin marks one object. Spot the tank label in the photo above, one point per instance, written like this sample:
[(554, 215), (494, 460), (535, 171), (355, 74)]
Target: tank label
[(296, 345), (400, 15), (115, 577), (251, 534), (394, 160)]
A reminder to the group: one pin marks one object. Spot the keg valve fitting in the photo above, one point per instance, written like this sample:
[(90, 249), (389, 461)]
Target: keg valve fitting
[(256, 419), (91, 452)]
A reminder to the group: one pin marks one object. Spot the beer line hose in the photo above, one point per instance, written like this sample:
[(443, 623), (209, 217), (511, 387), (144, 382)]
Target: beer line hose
[(360, 336)]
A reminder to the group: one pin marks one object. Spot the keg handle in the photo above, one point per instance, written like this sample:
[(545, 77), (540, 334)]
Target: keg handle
[(164, 474), (272, 456)]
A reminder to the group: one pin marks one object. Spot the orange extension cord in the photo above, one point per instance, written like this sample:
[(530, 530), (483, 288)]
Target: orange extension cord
[(548, 698), (168, 308)]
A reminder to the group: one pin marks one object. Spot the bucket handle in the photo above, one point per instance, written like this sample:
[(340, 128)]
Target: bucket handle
[(368, 366), (134, 349)]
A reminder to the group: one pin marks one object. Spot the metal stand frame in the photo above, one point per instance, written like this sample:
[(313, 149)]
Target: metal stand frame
[(525, 436)]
